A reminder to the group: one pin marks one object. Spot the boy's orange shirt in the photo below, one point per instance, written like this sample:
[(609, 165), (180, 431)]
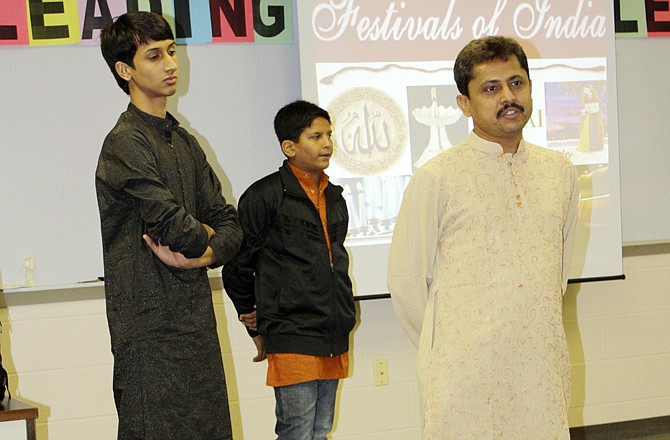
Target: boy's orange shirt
[(291, 368)]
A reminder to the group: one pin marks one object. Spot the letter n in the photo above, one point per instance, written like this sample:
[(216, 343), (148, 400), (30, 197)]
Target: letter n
[(232, 22)]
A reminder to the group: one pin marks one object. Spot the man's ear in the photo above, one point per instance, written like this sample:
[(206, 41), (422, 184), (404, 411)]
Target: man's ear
[(123, 70), (464, 103), (288, 147)]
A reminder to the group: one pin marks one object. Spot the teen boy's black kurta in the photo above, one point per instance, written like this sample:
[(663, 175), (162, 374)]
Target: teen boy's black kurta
[(153, 177)]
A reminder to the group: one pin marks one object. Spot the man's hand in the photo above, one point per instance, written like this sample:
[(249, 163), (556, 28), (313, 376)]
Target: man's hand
[(260, 347), (249, 320), (176, 259)]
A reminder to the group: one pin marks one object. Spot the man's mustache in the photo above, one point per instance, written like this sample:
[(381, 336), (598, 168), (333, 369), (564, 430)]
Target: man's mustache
[(510, 105)]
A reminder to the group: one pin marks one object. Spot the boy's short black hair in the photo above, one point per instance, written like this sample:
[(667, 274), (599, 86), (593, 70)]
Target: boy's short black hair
[(484, 50), (293, 118), (120, 39)]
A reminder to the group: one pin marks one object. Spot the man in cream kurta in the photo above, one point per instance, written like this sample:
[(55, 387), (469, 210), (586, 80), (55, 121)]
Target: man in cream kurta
[(477, 269)]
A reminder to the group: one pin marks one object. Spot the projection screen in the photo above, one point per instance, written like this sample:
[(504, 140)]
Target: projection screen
[(383, 69)]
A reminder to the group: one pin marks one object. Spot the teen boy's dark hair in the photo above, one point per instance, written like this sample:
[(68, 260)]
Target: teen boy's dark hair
[(120, 39), (484, 50), (293, 118)]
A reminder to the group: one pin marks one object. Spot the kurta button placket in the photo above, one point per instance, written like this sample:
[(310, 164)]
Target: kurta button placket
[(515, 182)]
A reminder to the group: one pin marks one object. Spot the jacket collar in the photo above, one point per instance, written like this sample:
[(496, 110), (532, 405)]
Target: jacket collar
[(293, 188)]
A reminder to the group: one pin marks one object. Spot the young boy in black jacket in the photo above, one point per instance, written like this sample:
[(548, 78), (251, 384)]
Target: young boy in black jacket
[(290, 283)]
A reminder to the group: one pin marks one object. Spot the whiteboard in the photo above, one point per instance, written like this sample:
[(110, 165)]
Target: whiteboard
[(58, 103), (391, 92), (643, 66)]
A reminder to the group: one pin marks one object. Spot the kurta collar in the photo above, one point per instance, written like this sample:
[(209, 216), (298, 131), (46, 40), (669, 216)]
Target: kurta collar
[(496, 149), (305, 180), (167, 123)]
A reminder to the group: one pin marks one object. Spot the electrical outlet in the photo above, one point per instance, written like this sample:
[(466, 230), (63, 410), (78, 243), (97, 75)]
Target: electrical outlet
[(381, 369)]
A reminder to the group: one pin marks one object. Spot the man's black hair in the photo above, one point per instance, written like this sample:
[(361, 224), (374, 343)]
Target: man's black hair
[(293, 118), (120, 39), (484, 50)]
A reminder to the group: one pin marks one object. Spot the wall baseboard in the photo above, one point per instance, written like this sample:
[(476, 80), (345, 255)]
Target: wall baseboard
[(633, 429)]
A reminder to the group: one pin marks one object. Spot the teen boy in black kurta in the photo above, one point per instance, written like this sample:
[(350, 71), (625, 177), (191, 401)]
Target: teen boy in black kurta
[(161, 204)]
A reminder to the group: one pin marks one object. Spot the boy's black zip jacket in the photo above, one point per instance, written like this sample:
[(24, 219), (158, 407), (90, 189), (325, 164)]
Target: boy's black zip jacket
[(304, 304)]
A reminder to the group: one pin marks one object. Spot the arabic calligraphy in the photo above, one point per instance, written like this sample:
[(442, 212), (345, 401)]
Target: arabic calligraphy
[(364, 131), (370, 130)]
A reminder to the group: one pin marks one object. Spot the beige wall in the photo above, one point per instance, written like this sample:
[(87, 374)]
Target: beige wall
[(619, 338), (56, 348)]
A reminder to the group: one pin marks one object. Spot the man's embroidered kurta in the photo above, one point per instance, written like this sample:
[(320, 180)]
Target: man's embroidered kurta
[(476, 272)]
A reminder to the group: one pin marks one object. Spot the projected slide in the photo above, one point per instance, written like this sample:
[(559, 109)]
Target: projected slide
[(384, 71)]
